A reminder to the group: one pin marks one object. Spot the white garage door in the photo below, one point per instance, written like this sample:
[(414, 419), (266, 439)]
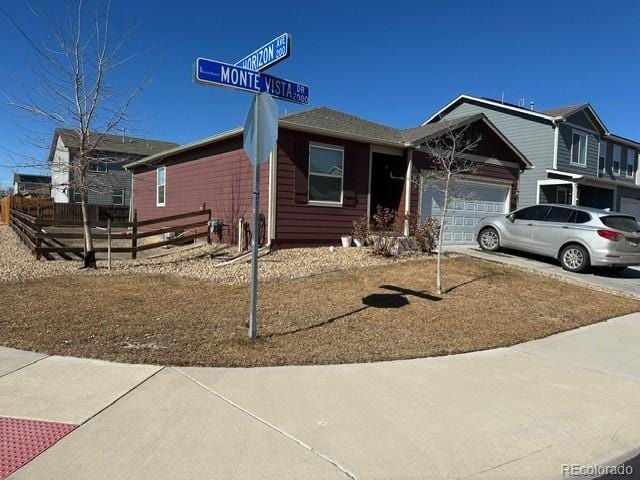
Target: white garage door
[(469, 203), (630, 206)]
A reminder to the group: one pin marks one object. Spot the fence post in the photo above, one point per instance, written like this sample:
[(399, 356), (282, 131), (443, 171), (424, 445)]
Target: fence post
[(134, 235), (38, 240), (109, 243)]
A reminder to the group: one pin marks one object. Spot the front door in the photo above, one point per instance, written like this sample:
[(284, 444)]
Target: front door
[(388, 173)]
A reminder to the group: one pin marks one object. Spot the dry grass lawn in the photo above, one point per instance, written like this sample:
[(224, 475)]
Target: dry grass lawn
[(368, 314)]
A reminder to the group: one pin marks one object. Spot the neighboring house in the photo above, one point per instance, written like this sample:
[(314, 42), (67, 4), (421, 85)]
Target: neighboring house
[(327, 170), (36, 186), (109, 183), (576, 160)]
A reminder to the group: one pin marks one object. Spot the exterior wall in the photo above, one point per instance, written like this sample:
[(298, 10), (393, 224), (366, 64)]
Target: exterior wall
[(219, 175), (297, 222), (103, 184), (60, 173), (533, 137), (564, 151), (582, 119)]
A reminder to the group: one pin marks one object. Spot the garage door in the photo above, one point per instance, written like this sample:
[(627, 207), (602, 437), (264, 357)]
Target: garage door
[(469, 203), (630, 206)]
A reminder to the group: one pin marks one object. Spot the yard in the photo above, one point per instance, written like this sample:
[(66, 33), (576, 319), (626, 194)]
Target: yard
[(382, 311)]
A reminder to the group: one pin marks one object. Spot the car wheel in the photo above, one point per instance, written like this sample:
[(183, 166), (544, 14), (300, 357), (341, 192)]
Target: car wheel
[(574, 258), (489, 239)]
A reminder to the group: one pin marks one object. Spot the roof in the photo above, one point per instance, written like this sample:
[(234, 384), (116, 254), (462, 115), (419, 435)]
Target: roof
[(115, 143), (28, 178), (334, 123), (564, 111)]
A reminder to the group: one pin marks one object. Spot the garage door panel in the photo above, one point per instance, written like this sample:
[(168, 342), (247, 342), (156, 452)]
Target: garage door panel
[(468, 204), (630, 206)]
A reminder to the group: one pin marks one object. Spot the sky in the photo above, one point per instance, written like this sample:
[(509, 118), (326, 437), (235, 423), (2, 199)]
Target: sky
[(392, 62)]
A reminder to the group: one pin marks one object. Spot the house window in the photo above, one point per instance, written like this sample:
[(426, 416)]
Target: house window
[(617, 155), (98, 166), (602, 156), (325, 174), (161, 182), (631, 162), (579, 148), (77, 197), (118, 196)]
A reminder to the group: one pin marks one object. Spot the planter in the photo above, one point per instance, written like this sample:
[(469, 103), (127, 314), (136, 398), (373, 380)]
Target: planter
[(346, 241), (358, 242)]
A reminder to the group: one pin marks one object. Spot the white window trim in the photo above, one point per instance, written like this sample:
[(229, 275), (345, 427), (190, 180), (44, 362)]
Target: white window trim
[(604, 166), (122, 195), (586, 148), (630, 154), (158, 204), (325, 203), (613, 157)]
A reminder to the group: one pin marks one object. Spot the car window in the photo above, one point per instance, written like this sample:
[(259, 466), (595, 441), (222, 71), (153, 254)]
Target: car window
[(621, 222), (537, 212), (560, 214), (581, 217)]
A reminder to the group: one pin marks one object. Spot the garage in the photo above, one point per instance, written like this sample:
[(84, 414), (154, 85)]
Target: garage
[(630, 206), (469, 202)]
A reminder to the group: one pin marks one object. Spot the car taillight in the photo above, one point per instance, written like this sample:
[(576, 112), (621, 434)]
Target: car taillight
[(611, 235)]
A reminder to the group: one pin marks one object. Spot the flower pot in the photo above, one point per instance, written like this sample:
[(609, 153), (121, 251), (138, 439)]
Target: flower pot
[(358, 242), (346, 241)]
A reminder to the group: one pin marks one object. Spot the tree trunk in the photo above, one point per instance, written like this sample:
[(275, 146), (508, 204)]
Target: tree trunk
[(445, 204), (89, 255)]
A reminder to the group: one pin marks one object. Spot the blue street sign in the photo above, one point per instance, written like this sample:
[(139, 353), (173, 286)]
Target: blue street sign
[(273, 52), (212, 72)]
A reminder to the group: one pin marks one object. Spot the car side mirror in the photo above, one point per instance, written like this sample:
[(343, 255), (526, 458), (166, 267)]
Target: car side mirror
[(511, 217)]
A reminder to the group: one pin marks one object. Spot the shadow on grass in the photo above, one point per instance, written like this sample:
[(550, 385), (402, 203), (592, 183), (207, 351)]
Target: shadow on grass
[(482, 277)]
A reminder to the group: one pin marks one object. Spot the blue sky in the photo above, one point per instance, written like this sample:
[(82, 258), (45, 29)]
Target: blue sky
[(392, 62)]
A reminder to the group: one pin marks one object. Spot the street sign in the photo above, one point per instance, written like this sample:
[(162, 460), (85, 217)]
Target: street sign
[(212, 72), (261, 128), (268, 55)]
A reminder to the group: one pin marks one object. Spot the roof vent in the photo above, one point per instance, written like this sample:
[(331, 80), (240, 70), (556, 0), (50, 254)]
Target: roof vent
[(532, 105)]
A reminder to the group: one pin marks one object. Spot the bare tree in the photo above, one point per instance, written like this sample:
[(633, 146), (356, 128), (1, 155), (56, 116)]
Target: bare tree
[(451, 160), (74, 67)]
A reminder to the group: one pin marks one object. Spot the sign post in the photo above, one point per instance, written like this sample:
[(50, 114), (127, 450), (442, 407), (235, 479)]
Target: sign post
[(261, 125)]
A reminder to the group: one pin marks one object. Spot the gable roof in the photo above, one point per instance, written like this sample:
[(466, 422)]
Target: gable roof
[(330, 122), (551, 115), (113, 143)]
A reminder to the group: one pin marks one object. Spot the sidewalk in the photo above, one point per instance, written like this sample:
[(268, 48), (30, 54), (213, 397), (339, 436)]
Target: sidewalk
[(519, 412)]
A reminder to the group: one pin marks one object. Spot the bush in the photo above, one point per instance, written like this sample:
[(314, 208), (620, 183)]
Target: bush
[(384, 245), (426, 234), (361, 229), (384, 219)]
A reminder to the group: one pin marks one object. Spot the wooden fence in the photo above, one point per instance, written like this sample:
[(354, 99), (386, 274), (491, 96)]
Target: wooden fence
[(46, 208), (39, 234), (39, 207)]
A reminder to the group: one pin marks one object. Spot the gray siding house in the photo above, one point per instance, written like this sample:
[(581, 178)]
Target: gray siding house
[(109, 183), (576, 160)]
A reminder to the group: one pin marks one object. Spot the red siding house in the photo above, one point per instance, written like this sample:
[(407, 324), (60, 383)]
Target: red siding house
[(328, 169)]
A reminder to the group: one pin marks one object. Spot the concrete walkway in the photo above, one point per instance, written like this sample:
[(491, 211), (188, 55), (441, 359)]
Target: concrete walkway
[(519, 412), (626, 282)]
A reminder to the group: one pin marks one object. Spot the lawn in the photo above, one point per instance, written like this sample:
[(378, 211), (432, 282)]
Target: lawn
[(366, 314)]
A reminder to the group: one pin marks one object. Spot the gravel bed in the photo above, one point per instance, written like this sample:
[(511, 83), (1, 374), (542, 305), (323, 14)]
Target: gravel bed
[(17, 263)]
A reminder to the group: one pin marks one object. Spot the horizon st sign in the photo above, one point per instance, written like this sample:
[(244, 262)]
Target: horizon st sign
[(268, 55), (212, 72)]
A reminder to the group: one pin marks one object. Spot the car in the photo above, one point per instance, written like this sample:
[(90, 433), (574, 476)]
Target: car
[(578, 237)]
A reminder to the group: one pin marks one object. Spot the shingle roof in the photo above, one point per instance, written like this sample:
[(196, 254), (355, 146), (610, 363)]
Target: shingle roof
[(28, 178), (564, 111), (413, 135), (114, 143)]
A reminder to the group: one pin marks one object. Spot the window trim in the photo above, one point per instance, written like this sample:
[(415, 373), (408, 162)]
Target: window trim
[(634, 157), (164, 184), (602, 143), (113, 195), (586, 148), (325, 203), (613, 159), (98, 162)]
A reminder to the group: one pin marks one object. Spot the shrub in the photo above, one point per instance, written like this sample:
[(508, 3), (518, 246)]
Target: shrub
[(361, 229), (426, 234), (384, 245), (384, 219)]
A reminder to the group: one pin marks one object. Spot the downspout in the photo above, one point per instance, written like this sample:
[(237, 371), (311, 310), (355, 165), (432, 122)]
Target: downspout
[(407, 196), (271, 205)]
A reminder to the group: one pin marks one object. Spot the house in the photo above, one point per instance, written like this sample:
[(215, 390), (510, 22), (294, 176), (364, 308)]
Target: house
[(576, 159), (327, 169), (35, 186), (108, 182)]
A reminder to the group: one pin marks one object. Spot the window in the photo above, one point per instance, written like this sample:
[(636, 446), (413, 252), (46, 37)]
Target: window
[(617, 155), (98, 166), (559, 214), (77, 197), (537, 212), (582, 217), (579, 148), (325, 174), (621, 222), (161, 182), (602, 156), (631, 162), (22, 187), (118, 196)]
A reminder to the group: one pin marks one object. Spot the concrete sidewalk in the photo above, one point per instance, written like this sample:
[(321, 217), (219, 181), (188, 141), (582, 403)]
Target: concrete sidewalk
[(519, 412), (626, 282)]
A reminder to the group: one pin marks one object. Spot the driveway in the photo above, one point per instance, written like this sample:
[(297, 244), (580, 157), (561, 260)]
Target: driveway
[(518, 412), (626, 282)]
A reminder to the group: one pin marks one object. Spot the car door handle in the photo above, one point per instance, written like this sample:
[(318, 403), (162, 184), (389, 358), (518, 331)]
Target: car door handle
[(565, 227), (529, 224)]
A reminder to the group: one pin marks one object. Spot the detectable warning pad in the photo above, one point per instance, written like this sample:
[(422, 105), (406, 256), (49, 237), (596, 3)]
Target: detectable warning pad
[(22, 439)]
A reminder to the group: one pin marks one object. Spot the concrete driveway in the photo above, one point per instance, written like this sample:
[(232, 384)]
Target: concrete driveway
[(519, 412), (626, 282)]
